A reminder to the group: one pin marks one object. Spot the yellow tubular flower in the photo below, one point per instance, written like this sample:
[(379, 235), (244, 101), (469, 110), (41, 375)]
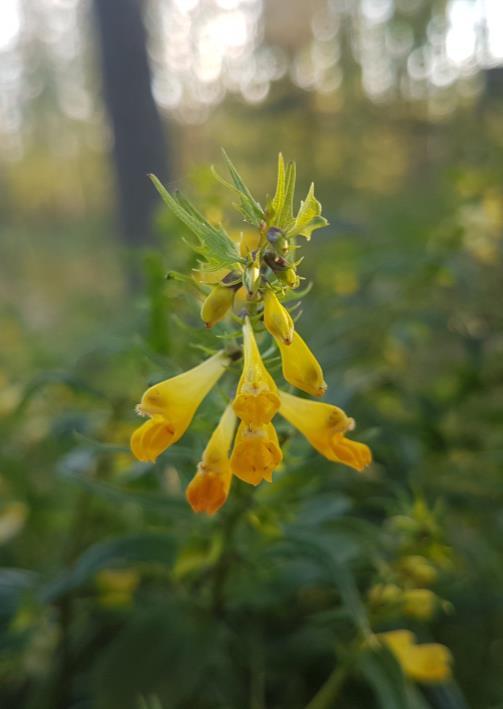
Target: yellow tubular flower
[(325, 427), (300, 366), (216, 305), (428, 663), (277, 319), (171, 405), (257, 397), (209, 488), (256, 453)]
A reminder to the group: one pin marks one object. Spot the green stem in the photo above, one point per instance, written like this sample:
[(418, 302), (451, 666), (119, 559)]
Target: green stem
[(329, 691)]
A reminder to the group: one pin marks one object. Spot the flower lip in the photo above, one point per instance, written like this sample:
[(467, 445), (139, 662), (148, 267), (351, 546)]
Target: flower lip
[(256, 453), (325, 427)]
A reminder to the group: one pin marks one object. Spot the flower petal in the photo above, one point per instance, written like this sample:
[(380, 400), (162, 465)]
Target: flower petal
[(256, 453)]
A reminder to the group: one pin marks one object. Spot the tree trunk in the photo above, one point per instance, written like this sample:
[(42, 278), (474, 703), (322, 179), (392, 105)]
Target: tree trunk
[(139, 142)]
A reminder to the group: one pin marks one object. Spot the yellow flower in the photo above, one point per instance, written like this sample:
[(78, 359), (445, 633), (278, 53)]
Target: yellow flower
[(429, 662), (216, 304), (419, 603), (277, 320), (256, 453), (171, 405), (325, 426), (209, 488), (383, 594), (419, 569), (300, 366), (257, 397)]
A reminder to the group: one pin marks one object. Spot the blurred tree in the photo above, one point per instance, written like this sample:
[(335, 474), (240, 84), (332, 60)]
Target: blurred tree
[(139, 140)]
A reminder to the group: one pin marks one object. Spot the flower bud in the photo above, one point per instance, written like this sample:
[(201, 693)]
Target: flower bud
[(384, 594), (419, 603), (274, 235), (216, 305), (251, 277), (419, 570), (240, 302), (277, 319), (276, 263), (289, 277)]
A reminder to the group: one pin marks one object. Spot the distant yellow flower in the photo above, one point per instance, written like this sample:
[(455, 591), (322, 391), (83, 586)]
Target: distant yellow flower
[(256, 453), (209, 488), (428, 662), (117, 586), (419, 569), (277, 320), (257, 397), (300, 366), (325, 427), (216, 304), (419, 603), (171, 405)]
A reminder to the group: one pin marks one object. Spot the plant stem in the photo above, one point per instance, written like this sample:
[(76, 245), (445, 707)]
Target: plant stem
[(329, 691)]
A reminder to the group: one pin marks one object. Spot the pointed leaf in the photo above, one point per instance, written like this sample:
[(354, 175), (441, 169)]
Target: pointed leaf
[(216, 247), (284, 217), (250, 208), (308, 217), (279, 196)]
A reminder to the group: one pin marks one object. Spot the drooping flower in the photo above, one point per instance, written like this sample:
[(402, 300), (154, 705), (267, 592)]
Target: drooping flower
[(427, 662), (256, 453), (257, 397), (216, 304), (171, 405), (277, 320), (300, 366), (209, 488), (325, 427)]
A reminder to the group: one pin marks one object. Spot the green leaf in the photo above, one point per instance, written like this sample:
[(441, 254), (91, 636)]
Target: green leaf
[(13, 584), (279, 196), (284, 217), (214, 245), (115, 553), (309, 217), (250, 208), (384, 675)]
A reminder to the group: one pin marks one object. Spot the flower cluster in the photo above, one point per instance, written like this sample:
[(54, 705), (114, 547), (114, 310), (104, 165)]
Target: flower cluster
[(248, 280)]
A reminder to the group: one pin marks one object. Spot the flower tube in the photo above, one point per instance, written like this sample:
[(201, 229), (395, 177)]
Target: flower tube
[(301, 369), (171, 406), (209, 488), (277, 320), (257, 397)]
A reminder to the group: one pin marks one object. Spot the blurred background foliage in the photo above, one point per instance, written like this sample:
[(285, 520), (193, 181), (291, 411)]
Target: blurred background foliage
[(112, 593)]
